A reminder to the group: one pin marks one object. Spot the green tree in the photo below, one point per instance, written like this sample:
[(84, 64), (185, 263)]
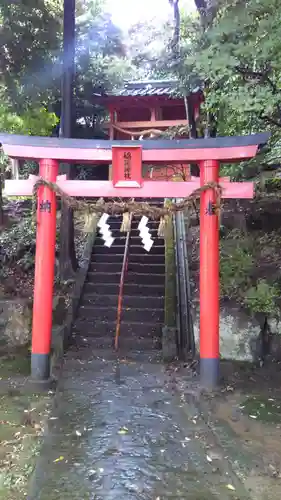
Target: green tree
[(30, 34), (238, 58), (36, 121)]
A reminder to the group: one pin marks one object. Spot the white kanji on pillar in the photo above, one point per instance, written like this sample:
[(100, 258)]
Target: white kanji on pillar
[(106, 234), (145, 235)]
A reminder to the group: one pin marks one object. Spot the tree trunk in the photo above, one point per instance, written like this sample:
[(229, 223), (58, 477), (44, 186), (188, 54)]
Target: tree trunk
[(1, 199), (15, 168), (67, 258)]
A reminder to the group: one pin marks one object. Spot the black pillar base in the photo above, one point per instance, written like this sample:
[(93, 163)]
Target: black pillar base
[(209, 372), (40, 377), (40, 366)]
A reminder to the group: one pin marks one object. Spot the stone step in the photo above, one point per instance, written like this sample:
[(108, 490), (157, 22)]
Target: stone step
[(97, 299), (119, 241), (152, 225), (144, 302), (109, 313), (155, 250), (128, 301), (110, 258), (134, 249), (103, 277), (142, 267), (150, 290), (134, 267), (147, 258), (135, 232), (107, 342), (90, 289), (114, 249), (110, 267), (90, 327), (134, 289), (101, 313), (142, 278)]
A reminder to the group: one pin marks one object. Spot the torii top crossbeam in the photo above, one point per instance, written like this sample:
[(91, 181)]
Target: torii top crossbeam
[(227, 149)]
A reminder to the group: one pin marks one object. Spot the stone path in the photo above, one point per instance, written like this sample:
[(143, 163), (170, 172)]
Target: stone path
[(123, 432)]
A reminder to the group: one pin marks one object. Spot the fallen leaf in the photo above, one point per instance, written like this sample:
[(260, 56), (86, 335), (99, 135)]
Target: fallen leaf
[(123, 431), (230, 487), (59, 459)]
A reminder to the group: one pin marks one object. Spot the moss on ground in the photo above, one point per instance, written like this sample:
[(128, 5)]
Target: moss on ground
[(21, 425), (262, 409)]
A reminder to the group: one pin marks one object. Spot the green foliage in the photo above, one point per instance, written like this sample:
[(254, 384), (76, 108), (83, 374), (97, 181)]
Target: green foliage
[(33, 121), (262, 298), (237, 273), (17, 241), (30, 38), (236, 56), (235, 269)]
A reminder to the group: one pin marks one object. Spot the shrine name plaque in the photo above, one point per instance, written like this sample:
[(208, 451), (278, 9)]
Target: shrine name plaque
[(127, 166)]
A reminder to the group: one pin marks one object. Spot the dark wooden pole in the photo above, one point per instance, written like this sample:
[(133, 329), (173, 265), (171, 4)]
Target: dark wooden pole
[(68, 68), (67, 258)]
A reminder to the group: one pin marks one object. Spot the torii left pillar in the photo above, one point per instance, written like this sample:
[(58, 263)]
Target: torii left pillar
[(44, 274)]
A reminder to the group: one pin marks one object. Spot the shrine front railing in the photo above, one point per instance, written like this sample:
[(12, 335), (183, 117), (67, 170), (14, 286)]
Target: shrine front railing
[(121, 285), (186, 341)]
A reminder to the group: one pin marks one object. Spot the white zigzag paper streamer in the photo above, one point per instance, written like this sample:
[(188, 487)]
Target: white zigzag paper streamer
[(145, 235), (106, 233)]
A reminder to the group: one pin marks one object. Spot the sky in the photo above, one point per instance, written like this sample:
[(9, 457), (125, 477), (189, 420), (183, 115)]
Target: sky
[(127, 12)]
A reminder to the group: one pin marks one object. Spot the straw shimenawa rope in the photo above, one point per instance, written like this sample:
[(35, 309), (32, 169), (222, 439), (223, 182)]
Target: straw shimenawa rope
[(117, 207)]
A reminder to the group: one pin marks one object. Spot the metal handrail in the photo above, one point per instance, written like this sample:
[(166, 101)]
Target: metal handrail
[(184, 317), (121, 286)]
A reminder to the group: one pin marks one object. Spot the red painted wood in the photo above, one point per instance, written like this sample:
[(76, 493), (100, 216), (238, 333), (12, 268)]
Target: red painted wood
[(209, 266), (156, 189), (44, 263), (72, 155), (127, 165)]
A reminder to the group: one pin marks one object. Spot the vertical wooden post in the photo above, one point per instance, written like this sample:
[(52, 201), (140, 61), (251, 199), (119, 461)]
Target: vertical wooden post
[(209, 278), (44, 274), (111, 137)]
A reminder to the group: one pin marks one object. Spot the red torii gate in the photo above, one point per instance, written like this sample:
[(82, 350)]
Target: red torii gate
[(208, 153)]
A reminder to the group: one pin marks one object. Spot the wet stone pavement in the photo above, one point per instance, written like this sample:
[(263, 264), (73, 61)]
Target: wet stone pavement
[(121, 431)]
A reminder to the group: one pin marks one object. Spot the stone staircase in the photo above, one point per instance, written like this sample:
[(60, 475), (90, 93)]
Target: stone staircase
[(144, 291)]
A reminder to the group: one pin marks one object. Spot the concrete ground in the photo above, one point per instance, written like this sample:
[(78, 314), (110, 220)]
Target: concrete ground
[(134, 429)]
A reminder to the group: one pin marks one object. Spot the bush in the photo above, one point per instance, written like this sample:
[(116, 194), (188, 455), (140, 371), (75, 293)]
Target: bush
[(17, 240), (234, 271), (261, 298)]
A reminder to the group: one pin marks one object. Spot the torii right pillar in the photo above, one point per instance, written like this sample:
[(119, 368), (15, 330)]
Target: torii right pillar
[(209, 278)]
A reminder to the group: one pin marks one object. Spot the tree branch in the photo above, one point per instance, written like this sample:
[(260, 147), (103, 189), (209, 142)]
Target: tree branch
[(176, 37), (261, 75)]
